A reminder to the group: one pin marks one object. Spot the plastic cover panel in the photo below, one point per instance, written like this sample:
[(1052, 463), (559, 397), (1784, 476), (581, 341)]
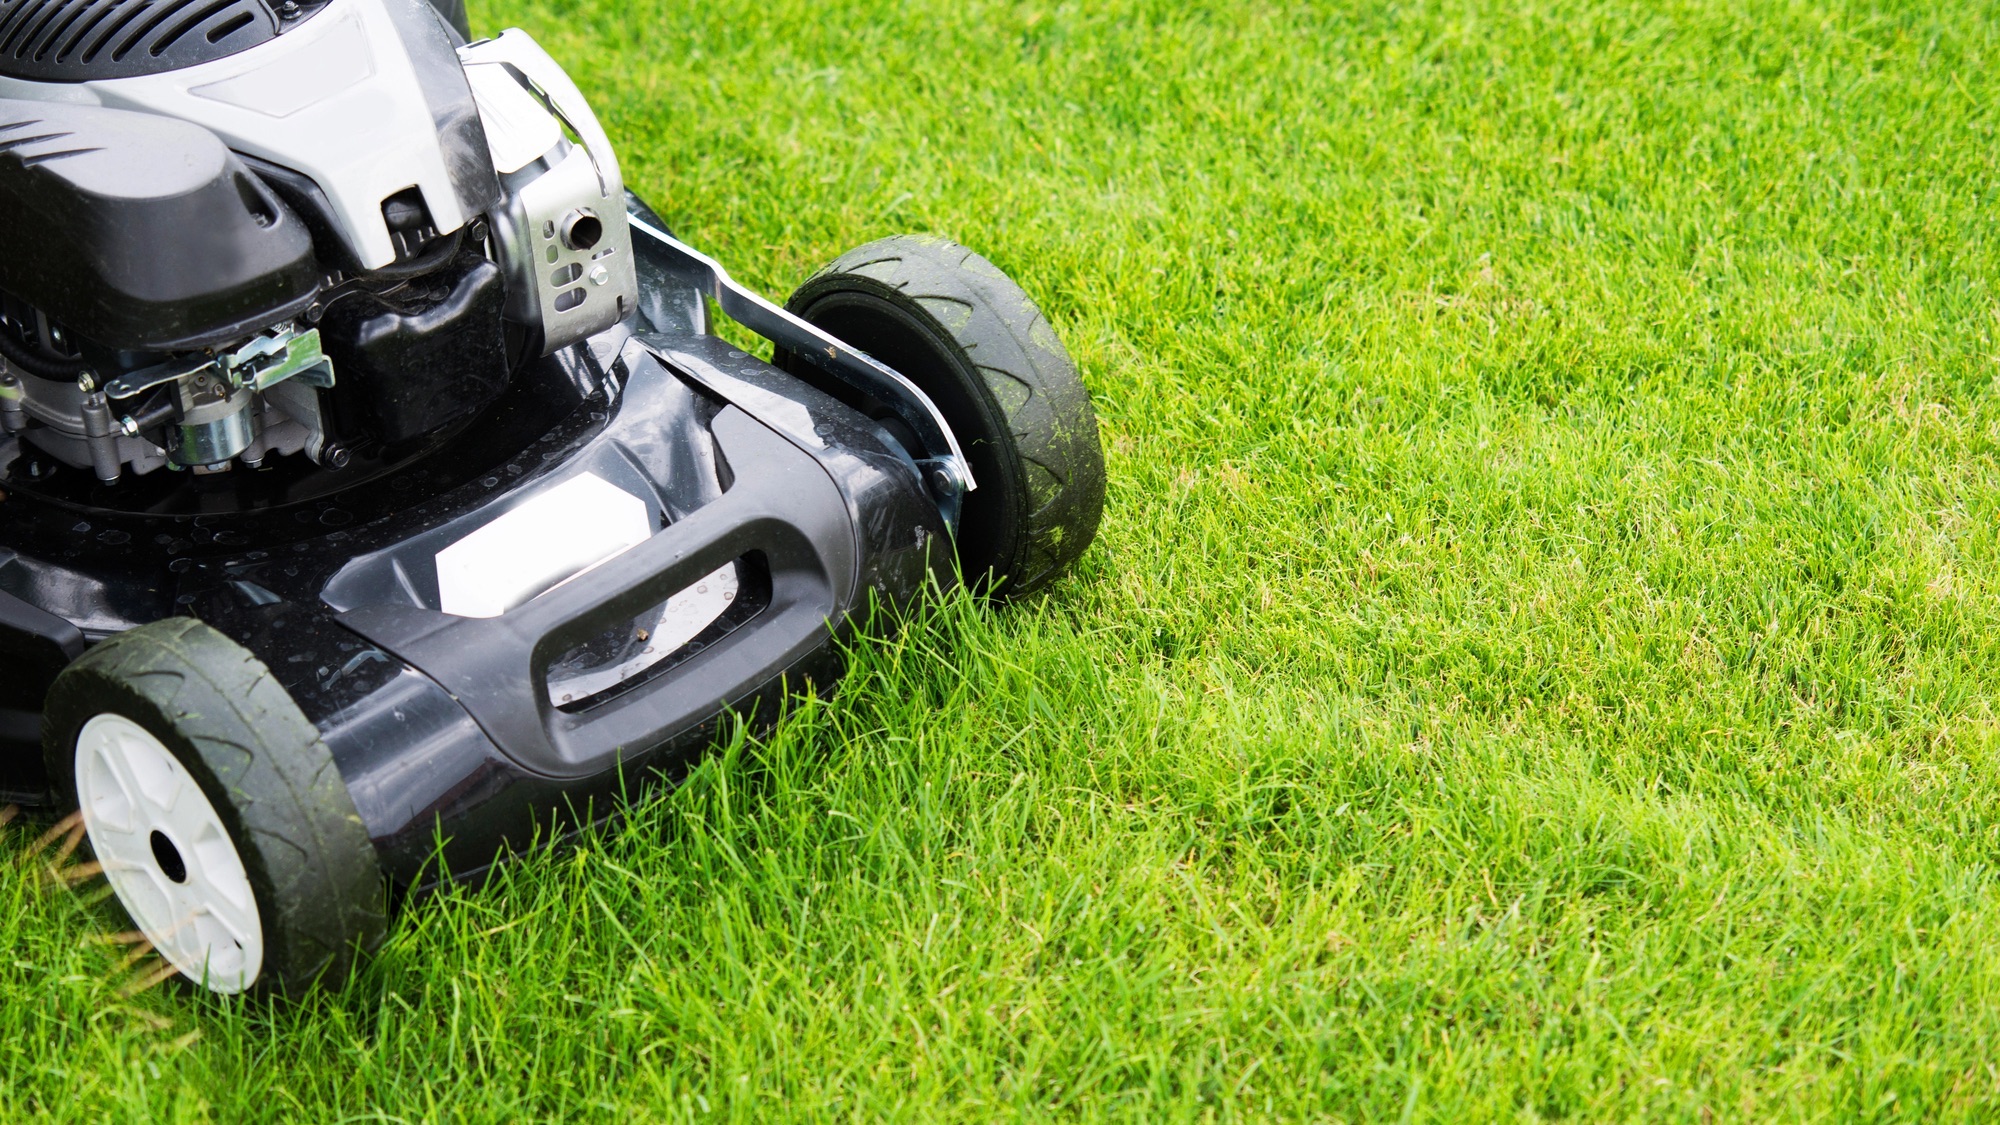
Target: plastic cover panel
[(141, 232), (354, 100)]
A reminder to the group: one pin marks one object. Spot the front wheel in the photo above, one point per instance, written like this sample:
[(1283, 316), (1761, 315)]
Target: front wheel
[(214, 808), (950, 322)]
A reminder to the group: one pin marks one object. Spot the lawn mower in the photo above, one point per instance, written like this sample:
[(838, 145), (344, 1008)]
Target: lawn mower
[(375, 498)]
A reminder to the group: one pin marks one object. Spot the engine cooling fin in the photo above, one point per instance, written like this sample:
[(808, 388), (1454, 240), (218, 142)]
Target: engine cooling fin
[(89, 40)]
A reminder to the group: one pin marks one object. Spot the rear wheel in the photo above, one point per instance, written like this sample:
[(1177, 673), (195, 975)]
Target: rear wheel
[(215, 809), (964, 332)]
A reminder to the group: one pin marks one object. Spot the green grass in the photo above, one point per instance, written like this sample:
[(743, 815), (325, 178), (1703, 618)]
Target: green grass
[(1539, 660)]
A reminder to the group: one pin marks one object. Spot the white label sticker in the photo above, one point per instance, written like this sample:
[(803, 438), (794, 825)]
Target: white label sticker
[(546, 541)]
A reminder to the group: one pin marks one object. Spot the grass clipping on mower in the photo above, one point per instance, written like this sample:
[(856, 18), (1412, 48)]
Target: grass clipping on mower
[(140, 967)]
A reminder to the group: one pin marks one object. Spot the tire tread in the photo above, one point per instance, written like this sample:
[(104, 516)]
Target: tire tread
[(1053, 429)]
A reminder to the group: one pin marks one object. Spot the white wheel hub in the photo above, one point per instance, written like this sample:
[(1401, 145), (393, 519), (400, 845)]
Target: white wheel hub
[(167, 855)]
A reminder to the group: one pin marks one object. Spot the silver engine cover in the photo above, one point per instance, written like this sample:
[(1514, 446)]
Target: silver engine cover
[(368, 99)]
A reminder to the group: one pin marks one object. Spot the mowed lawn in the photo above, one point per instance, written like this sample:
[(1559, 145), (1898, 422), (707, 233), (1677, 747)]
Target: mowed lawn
[(1540, 659)]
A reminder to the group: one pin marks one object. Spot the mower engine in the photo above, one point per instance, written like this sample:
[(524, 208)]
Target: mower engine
[(240, 231)]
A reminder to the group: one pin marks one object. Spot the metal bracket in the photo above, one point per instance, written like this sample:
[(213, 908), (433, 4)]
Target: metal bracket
[(269, 360), (561, 227), (518, 52), (256, 366), (943, 465), (146, 378)]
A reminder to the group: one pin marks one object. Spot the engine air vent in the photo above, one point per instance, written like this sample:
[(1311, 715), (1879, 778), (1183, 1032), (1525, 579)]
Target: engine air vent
[(88, 40)]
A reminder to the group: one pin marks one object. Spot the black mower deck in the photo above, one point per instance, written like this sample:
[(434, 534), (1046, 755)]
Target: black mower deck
[(443, 727)]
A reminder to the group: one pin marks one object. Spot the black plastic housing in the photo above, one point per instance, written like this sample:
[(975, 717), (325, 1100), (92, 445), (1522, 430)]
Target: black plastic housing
[(89, 40), (141, 232), (408, 368), (34, 645), (83, 40)]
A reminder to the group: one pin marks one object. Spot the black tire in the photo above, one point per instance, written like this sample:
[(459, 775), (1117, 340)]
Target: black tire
[(952, 323), (320, 894)]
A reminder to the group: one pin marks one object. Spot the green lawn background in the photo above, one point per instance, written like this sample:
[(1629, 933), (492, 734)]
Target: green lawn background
[(1538, 662)]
